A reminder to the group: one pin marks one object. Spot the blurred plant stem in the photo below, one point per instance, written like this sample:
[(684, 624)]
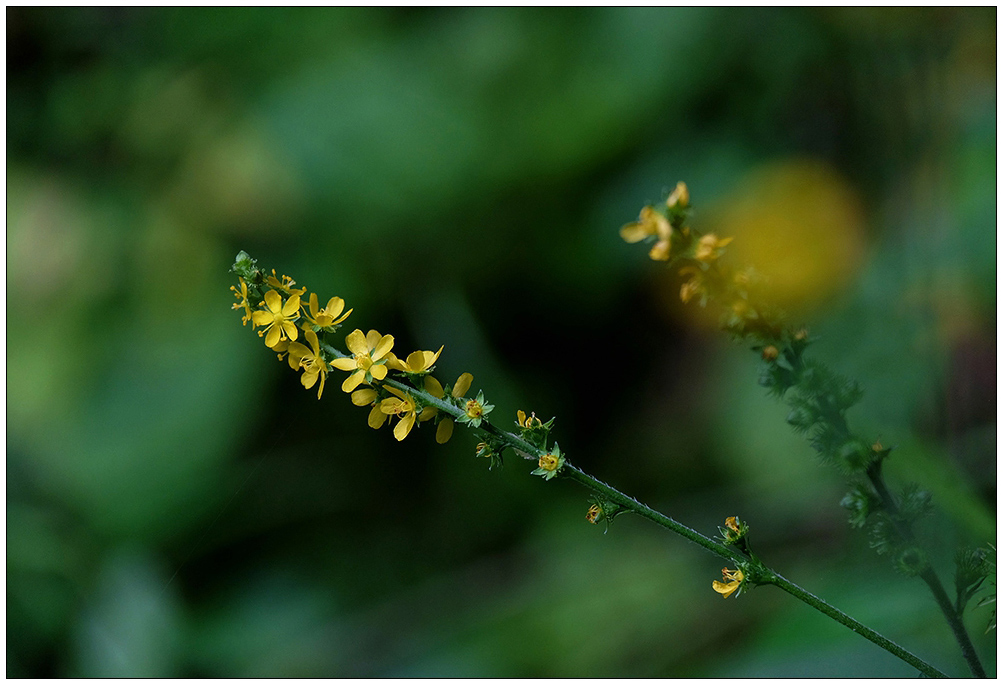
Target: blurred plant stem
[(755, 571), (929, 576)]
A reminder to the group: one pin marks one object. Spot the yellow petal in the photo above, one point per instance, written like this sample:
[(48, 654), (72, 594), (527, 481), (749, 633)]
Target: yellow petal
[(427, 413), (399, 393), (334, 307), (363, 396), (378, 371), (393, 363), (390, 406), (403, 427), (634, 232), (296, 353), (376, 417), (372, 338), (434, 356), (273, 301), (311, 338), (292, 306), (272, 337), (356, 342), (725, 589), (416, 361), (320, 389), (309, 378), (462, 385), (383, 347), (313, 305), (444, 431), (262, 318), (433, 386), (290, 330), (345, 364), (521, 416), (353, 381)]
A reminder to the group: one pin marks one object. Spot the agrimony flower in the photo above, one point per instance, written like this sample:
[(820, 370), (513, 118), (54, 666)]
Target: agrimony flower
[(368, 361), (284, 284), (277, 318), (709, 247), (242, 297), (444, 431), (650, 223), (418, 362), (311, 360), (550, 463), (403, 406), (679, 198), (732, 582), (331, 315)]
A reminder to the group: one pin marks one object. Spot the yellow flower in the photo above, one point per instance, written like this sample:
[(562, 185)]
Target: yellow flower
[(732, 523), (284, 284), (548, 462), (311, 360), (329, 316), (709, 247), (770, 353), (650, 223), (368, 358), (694, 286), (734, 580), (277, 318), (242, 296), (403, 406), (444, 431), (527, 422), (418, 362), (679, 198)]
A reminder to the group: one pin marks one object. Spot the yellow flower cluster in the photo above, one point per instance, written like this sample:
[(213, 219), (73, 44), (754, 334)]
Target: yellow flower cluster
[(283, 319), (665, 226)]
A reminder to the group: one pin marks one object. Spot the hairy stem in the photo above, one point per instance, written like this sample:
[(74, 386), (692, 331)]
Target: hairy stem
[(929, 576), (763, 573)]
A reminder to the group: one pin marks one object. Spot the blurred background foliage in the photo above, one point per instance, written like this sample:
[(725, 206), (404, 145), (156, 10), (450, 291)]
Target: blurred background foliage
[(177, 505)]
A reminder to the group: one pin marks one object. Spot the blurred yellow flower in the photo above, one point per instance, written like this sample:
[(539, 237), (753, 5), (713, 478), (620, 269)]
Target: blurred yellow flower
[(734, 579), (650, 223), (277, 318), (709, 247), (311, 360), (369, 352), (679, 198)]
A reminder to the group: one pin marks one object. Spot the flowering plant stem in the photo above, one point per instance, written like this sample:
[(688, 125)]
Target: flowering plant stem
[(930, 578), (756, 572)]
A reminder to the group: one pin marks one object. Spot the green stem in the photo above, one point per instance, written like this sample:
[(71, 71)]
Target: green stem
[(929, 576), (763, 573)]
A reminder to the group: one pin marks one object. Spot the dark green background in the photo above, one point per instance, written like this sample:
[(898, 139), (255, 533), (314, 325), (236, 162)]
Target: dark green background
[(177, 505)]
